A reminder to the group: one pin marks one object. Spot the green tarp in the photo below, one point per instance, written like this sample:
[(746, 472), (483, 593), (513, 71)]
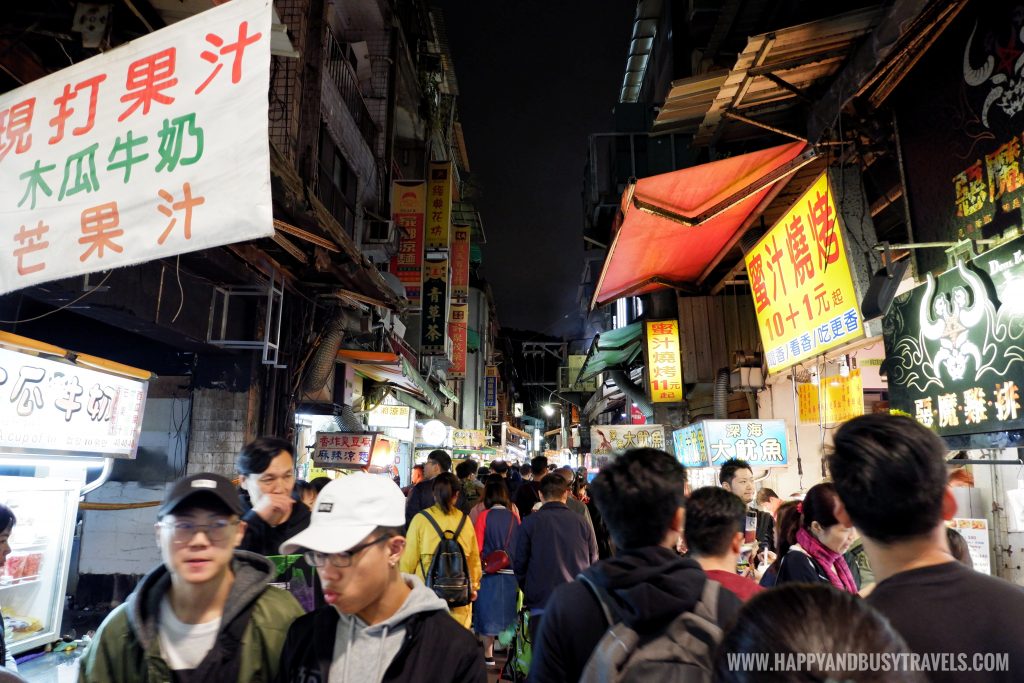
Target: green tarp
[(613, 349)]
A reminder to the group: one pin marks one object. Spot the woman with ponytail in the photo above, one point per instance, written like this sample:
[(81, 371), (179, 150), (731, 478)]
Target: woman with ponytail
[(813, 550)]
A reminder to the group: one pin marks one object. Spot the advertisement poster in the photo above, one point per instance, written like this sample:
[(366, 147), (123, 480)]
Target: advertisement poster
[(610, 438), (349, 450), (800, 280), (53, 408), (141, 152), (975, 532), (439, 206), (844, 399), (954, 346), (664, 368), (709, 443), (408, 203), (435, 308)]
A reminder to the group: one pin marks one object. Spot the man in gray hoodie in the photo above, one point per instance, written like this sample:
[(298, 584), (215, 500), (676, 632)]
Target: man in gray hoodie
[(379, 624)]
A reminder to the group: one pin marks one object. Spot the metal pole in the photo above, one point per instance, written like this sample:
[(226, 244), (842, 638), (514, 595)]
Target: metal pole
[(796, 433)]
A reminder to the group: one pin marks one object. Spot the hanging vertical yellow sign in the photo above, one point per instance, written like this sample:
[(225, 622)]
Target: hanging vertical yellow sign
[(664, 368)]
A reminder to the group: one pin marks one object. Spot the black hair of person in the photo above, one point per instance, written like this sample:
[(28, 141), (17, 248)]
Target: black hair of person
[(890, 473), (638, 494), (553, 486), (256, 455), (729, 469), (446, 487), (319, 483), (819, 506), (539, 465), (7, 518), (798, 618), (443, 460), (462, 469), (713, 518), (496, 492)]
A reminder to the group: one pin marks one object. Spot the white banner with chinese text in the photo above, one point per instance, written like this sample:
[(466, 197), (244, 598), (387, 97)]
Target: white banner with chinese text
[(155, 148)]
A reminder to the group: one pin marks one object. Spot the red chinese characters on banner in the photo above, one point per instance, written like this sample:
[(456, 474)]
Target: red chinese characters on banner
[(800, 282), (15, 128), (664, 368), (459, 333), (236, 49), (407, 210)]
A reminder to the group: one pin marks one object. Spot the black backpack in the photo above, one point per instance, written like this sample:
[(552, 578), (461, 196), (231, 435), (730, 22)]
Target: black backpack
[(448, 574)]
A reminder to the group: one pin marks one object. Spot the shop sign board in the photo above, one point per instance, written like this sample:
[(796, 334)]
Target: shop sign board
[(961, 143), (491, 414), (954, 346), (664, 369), (390, 416), (490, 389), (605, 439), (469, 439), (140, 152), (975, 532), (575, 364), (435, 308), (52, 408), (804, 295), (636, 416), (348, 450), (458, 318), (408, 204), (844, 399), (439, 205), (709, 443)]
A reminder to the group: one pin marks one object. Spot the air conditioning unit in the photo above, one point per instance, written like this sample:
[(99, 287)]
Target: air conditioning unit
[(379, 232)]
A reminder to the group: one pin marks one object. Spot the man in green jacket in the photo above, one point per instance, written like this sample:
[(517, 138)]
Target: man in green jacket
[(207, 613)]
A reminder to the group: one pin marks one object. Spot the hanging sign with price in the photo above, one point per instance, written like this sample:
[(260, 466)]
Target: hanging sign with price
[(800, 279)]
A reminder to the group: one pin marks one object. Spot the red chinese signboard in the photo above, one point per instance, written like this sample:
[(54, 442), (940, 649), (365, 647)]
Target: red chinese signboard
[(407, 210), (458, 328), (439, 205)]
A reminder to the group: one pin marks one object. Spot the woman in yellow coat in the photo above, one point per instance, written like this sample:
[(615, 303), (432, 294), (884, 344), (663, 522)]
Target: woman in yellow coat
[(421, 540)]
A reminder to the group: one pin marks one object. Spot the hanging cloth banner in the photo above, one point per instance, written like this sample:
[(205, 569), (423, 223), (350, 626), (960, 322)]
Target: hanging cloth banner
[(141, 152)]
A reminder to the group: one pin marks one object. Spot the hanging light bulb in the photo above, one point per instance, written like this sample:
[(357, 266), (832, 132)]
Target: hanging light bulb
[(814, 375), (844, 366)]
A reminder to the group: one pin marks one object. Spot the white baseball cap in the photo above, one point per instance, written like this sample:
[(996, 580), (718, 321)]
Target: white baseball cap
[(347, 511)]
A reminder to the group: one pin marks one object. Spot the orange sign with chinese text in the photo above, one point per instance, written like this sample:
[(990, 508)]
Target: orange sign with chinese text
[(439, 205)]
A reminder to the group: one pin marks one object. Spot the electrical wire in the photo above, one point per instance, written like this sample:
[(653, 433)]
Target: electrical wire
[(181, 290), (61, 308)]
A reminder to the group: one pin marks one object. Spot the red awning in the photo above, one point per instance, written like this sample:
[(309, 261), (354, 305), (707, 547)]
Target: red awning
[(677, 224)]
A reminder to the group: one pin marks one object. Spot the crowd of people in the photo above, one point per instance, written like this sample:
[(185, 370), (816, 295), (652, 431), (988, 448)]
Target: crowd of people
[(627, 577)]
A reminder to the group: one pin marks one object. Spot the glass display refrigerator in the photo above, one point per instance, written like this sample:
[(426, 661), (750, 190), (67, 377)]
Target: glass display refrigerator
[(64, 417), (35, 576)]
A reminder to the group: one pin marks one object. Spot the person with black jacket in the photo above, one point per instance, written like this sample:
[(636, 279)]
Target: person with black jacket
[(640, 495), (267, 466), (379, 625), (528, 493), (736, 476), (422, 494)]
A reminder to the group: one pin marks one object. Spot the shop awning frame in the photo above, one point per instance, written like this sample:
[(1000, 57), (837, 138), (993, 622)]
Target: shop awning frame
[(626, 341), (655, 245)]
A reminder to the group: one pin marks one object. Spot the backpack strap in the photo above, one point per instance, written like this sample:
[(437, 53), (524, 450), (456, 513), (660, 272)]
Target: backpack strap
[(707, 606), (440, 533), (604, 600), (458, 529)]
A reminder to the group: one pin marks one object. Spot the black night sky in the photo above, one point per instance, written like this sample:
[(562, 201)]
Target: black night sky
[(536, 78)]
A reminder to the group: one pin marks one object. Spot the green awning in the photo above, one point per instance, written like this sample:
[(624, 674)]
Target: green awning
[(476, 254), (473, 340), (613, 349)]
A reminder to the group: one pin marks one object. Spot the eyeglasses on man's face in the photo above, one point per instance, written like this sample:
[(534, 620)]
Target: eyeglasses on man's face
[(184, 531), (340, 560)]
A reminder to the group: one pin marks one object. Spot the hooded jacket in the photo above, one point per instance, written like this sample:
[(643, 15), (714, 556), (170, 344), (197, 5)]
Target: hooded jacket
[(651, 586), (419, 643), (127, 644)]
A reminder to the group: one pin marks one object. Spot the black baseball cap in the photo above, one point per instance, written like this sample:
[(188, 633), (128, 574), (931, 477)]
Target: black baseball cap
[(212, 487)]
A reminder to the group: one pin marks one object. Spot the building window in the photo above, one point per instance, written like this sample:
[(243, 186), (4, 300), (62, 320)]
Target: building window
[(337, 184)]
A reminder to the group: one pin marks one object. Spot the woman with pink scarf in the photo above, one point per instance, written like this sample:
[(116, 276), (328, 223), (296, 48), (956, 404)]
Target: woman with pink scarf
[(814, 553)]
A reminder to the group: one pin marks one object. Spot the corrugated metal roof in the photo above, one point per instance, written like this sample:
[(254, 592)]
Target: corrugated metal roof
[(768, 76)]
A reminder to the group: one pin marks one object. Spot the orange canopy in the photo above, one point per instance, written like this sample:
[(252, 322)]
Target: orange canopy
[(676, 224)]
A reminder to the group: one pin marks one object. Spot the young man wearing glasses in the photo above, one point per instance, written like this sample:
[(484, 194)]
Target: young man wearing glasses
[(205, 614), (379, 624)]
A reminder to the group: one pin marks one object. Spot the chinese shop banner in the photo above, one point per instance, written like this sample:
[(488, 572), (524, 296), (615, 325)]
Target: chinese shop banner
[(469, 439), (800, 280), (664, 369), (390, 416), (961, 142), (439, 205), (408, 201), (350, 450), (762, 443), (611, 438), (491, 387), (458, 327), (844, 399), (435, 308), (954, 346), (155, 148), (52, 408)]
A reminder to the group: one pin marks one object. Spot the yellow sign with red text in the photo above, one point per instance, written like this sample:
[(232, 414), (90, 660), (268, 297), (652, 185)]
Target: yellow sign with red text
[(800, 279), (664, 368)]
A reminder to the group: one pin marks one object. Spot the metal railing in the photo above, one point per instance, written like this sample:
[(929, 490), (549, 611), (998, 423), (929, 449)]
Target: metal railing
[(344, 76)]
